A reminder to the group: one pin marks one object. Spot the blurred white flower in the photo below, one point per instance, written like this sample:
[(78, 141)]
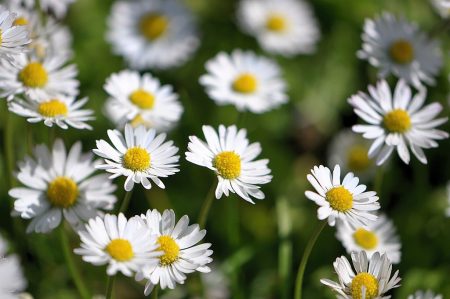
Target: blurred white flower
[(425, 295), (442, 7), (12, 281), (57, 7)]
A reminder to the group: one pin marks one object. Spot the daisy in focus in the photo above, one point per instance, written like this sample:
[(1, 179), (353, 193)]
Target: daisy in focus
[(442, 7), (245, 80), (58, 184), (62, 111), (397, 121), (379, 236), (285, 27), (152, 34), (13, 38), (125, 245), (13, 281), (140, 155), (398, 47), (230, 155), (182, 254), (141, 100), (425, 295), (371, 279), (344, 200)]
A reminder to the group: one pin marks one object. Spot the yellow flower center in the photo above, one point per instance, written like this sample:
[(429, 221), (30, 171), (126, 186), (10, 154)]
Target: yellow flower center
[(153, 25), (276, 22), (402, 51), (120, 250), (365, 238), (34, 75), (340, 199), (52, 108), (142, 99), (20, 21), (357, 158), (368, 281), (245, 83), (137, 121), (170, 248), (137, 159), (228, 165), (397, 121), (62, 192)]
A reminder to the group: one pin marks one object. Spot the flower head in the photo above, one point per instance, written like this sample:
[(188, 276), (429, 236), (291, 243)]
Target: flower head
[(425, 295)]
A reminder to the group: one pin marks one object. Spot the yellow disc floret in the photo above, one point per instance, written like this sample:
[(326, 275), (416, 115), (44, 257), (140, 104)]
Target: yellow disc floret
[(364, 280), (136, 159), (245, 83), (357, 158), (62, 192), (153, 25), (365, 238), (20, 21), (120, 250), (228, 165), (397, 121), (402, 51), (142, 99), (52, 108), (276, 22), (170, 249), (340, 199), (34, 75)]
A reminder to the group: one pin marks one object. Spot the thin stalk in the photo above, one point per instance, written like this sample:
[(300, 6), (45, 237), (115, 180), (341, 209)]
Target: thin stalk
[(207, 203), (9, 148), (285, 246), (155, 292), (305, 257), (126, 201), (109, 286)]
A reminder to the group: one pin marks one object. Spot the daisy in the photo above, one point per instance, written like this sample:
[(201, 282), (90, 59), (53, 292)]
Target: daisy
[(13, 281), (344, 200), (397, 120), (398, 47), (58, 184), (124, 245), (425, 295), (61, 110), (140, 155), (370, 280), (152, 34), (229, 154), (57, 7), (37, 78), (247, 81), (141, 100), (379, 236), (13, 39), (442, 7), (285, 27), (181, 255)]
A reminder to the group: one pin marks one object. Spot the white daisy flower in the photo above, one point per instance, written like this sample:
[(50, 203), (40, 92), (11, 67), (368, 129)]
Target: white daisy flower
[(152, 34), (37, 78), (181, 255), (141, 100), (140, 155), (397, 120), (58, 184), (425, 295), (398, 47), (370, 280), (124, 245), (229, 154), (285, 27), (247, 81), (344, 200), (13, 282), (13, 38), (61, 110), (442, 7), (379, 236), (57, 7)]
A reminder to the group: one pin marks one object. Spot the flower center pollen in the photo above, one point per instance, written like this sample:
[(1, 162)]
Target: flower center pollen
[(153, 26), (20, 21), (170, 248), (228, 165), (365, 238), (137, 159), (142, 99), (62, 192), (245, 83), (397, 121), (34, 75), (340, 199), (364, 280), (402, 51), (52, 108), (276, 22), (120, 250), (357, 158)]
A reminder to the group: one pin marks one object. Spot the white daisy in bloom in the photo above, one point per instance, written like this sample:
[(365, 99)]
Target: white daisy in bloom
[(230, 155), (124, 245), (141, 100), (152, 34), (61, 110), (442, 7), (285, 27), (13, 281), (379, 236), (181, 254), (36, 78), (398, 47), (344, 200), (245, 80), (397, 120), (59, 184), (371, 278), (425, 295), (13, 39), (140, 155)]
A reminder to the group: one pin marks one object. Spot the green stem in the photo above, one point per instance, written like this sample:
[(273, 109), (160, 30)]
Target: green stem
[(305, 257), (9, 148), (126, 201), (207, 203), (155, 292), (285, 246), (109, 286), (79, 283)]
